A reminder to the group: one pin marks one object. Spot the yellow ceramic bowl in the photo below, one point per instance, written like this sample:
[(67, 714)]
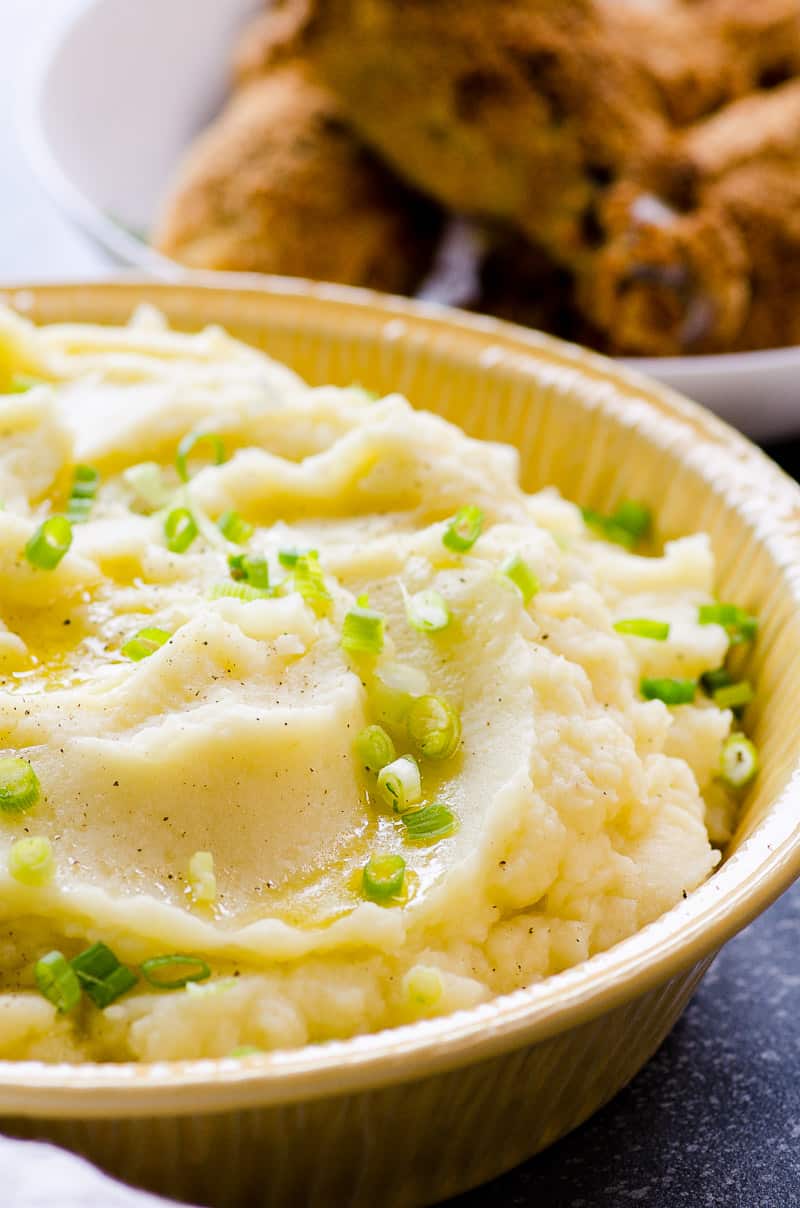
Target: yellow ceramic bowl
[(419, 1113)]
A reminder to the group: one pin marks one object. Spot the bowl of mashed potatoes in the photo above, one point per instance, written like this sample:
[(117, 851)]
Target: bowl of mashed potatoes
[(372, 775)]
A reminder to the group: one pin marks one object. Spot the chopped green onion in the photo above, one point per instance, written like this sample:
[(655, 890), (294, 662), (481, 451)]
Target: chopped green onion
[(374, 748), (634, 517), (253, 568), (670, 691), (434, 727), (719, 678), (174, 972), (30, 861), (383, 878), (464, 529), (429, 824), (423, 986), (235, 528), (741, 625), (101, 975), (144, 643), (19, 785), (628, 524), (245, 1050), (739, 761), (19, 383), (642, 628), (239, 591), (733, 696), (426, 611), (180, 530), (522, 576), (309, 581), (58, 981), (362, 631), (207, 442), (399, 783), (49, 543), (289, 557), (84, 489), (147, 481), (202, 878)]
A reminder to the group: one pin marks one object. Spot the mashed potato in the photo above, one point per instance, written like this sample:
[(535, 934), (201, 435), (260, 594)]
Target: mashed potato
[(185, 689)]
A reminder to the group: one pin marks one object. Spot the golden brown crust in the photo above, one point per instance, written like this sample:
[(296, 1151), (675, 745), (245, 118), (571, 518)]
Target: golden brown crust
[(516, 111), (275, 36), (701, 54), (279, 185)]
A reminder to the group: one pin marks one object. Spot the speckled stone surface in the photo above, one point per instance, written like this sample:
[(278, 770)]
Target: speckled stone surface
[(714, 1120)]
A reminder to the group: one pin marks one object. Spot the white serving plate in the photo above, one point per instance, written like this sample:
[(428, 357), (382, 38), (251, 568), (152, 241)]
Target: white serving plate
[(125, 84)]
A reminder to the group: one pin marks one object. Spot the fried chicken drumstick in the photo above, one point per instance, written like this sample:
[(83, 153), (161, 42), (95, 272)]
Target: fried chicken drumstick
[(561, 119), (279, 184)]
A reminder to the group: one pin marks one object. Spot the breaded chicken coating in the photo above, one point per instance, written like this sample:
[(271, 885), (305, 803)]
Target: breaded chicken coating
[(520, 111), (278, 184), (723, 270)]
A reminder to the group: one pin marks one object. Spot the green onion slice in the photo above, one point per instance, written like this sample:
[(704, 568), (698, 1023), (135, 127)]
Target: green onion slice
[(522, 576), (463, 529), (175, 971), (733, 696), (434, 727), (719, 678), (252, 568), (289, 557), (426, 611), (739, 761), (102, 975), (49, 543), (640, 627), (30, 861), (58, 981), (19, 785), (235, 528), (374, 748), (239, 591), (399, 783), (431, 823), (180, 530), (144, 643), (84, 488), (309, 581), (670, 691), (362, 631), (20, 383), (383, 878), (741, 625), (146, 480), (628, 524), (204, 442)]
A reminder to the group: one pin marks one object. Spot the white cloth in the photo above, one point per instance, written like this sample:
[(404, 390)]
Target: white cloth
[(33, 1175)]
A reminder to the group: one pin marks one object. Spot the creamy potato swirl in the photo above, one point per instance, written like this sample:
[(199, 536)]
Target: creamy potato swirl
[(581, 810)]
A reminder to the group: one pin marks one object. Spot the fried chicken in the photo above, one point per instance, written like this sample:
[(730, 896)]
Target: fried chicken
[(279, 184), (519, 112), (725, 272), (563, 118)]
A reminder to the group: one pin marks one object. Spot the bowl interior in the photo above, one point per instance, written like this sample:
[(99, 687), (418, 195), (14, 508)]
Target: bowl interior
[(600, 434)]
